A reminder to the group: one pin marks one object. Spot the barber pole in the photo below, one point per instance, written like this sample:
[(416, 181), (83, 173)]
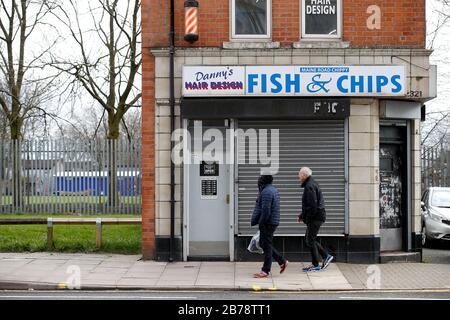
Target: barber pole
[(191, 20)]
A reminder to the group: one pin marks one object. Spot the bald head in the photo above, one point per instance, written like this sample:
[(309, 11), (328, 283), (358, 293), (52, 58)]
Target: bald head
[(304, 174)]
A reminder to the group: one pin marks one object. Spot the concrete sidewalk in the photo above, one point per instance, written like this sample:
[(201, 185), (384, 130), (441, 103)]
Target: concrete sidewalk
[(102, 271)]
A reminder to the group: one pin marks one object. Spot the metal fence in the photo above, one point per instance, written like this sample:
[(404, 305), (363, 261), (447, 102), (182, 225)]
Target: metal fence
[(435, 167), (70, 176)]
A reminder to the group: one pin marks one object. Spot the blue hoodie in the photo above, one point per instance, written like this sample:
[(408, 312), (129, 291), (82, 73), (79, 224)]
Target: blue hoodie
[(267, 208)]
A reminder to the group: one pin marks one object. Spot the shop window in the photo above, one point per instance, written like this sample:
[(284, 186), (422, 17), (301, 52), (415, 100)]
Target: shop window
[(251, 19), (321, 19)]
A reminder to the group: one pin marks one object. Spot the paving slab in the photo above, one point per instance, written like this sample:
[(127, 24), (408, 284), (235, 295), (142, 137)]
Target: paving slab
[(137, 282), (218, 282), (214, 264), (329, 281), (47, 262), (109, 270), (116, 264), (227, 269), (180, 272), (92, 262), (92, 277), (142, 275), (177, 265), (39, 268), (14, 259), (11, 265), (70, 269), (150, 263), (398, 275), (158, 271), (118, 257)]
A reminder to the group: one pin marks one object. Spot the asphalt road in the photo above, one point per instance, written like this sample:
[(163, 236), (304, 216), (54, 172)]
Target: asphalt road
[(223, 295), (437, 252)]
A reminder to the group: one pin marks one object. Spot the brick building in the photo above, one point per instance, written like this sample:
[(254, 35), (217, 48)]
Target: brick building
[(336, 85)]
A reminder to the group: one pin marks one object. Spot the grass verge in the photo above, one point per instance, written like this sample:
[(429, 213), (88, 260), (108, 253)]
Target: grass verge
[(125, 239)]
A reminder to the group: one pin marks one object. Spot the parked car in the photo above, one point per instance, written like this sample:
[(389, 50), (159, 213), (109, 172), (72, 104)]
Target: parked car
[(436, 214)]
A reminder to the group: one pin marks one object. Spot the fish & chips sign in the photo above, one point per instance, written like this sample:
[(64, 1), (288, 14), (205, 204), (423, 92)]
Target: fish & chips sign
[(367, 81)]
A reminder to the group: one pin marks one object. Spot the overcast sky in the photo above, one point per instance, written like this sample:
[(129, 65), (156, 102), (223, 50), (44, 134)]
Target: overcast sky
[(441, 54)]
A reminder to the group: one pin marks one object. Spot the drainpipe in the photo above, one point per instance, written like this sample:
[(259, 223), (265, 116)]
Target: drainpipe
[(172, 128)]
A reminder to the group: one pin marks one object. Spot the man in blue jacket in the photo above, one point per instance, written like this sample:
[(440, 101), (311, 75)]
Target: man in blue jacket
[(267, 216), (313, 215)]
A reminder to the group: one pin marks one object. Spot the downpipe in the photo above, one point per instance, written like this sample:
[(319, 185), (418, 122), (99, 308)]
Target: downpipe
[(172, 128)]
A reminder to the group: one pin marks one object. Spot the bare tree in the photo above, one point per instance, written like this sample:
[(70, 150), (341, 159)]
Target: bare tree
[(108, 73), (132, 125), (107, 62), (89, 126), (441, 11), (4, 132), (26, 82), (436, 129)]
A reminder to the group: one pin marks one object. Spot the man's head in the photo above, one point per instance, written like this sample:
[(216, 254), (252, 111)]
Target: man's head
[(263, 180), (304, 174)]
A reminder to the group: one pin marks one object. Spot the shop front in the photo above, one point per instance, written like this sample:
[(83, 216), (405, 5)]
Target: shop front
[(230, 149), (243, 121)]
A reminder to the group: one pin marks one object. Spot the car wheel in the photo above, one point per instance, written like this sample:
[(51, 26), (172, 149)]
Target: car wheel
[(424, 236)]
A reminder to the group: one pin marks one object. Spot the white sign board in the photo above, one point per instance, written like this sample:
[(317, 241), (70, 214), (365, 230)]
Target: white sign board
[(333, 81)]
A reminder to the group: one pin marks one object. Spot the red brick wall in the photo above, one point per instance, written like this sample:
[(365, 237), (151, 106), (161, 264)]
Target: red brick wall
[(148, 137), (285, 21), (403, 23)]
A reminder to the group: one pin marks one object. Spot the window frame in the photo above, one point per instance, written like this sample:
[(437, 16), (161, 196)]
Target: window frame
[(338, 36), (235, 36)]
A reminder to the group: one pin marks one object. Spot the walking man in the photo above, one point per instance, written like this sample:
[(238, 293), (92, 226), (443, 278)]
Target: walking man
[(313, 215), (267, 215)]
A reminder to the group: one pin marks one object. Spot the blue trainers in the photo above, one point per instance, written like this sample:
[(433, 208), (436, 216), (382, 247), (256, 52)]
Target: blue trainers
[(327, 261), (311, 268)]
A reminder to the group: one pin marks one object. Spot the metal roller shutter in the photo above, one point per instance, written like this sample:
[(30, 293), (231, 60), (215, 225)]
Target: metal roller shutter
[(319, 145)]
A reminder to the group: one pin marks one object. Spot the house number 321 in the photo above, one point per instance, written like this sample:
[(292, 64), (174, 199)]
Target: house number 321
[(414, 94)]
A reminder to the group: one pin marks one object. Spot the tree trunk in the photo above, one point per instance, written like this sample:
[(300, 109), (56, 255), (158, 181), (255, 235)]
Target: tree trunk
[(113, 139), (16, 127)]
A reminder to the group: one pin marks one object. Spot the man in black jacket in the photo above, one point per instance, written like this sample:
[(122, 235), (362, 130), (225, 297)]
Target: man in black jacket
[(313, 215), (267, 215)]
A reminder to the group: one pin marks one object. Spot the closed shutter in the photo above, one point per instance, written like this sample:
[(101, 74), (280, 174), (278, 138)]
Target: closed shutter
[(319, 145)]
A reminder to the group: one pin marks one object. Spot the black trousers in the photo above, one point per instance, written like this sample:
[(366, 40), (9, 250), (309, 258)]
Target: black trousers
[(317, 251), (266, 243)]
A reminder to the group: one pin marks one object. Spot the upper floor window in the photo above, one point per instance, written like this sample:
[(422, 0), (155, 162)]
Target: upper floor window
[(251, 19), (321, 18)]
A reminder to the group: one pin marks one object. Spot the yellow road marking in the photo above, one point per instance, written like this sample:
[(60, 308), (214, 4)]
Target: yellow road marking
[(62, 285), (256, 288)]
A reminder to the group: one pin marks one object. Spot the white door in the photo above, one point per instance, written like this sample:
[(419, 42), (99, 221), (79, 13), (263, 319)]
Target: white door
[(209, 195)]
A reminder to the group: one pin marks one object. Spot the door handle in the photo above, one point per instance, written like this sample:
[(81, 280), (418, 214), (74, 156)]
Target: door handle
[(228, 199)]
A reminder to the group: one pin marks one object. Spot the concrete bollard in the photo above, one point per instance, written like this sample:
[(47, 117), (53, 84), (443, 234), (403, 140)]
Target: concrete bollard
[(49, 234), (98, 233)]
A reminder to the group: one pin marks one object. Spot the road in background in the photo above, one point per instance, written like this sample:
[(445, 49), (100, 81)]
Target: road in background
[(437, 252)]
